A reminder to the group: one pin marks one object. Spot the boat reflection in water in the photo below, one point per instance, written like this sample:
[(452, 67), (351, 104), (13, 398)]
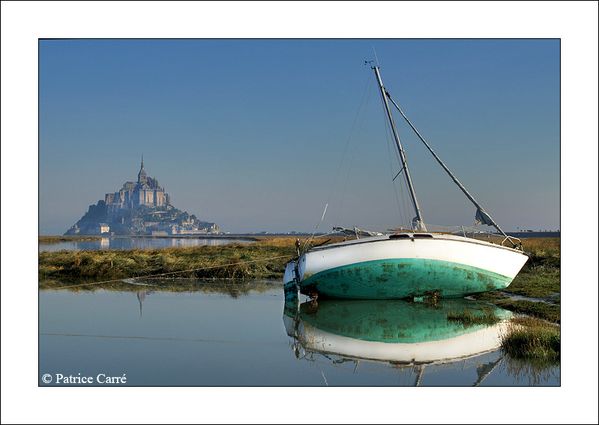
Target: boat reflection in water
[(394, 331)]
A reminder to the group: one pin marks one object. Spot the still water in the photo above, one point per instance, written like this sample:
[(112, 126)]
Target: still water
[(246, 335), (135, 243)]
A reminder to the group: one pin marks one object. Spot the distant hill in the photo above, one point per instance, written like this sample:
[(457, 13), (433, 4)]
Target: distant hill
[(139, 208)]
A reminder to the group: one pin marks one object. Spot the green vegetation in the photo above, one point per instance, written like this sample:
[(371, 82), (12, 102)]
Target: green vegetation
[(468, 318), (545, 311), (542, 310), (542, 251), (536, 282), (532, 339), (259, 260), (539, 278), (264, 259)]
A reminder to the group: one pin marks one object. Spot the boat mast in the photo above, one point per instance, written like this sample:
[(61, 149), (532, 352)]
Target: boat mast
[(481, 215), (417, 222)]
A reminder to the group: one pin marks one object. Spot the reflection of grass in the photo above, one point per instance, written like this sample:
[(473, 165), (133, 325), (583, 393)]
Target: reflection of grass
[(546, 311), (468, 318), (233, 288), (535, 371), (532, 339), (550, 312)]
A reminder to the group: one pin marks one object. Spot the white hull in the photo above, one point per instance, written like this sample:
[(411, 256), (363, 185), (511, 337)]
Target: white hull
[(427, 260), (466, 345), (453, 249)]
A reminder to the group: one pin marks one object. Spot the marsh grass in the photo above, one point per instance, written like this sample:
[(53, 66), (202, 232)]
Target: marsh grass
[(537, 282), (539, 278), (542, 251), (263, 259), (468, 318), (540, 310), (239, 261), (532, 339)]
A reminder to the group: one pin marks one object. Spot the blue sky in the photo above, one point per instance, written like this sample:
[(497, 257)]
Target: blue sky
[(260, 134)]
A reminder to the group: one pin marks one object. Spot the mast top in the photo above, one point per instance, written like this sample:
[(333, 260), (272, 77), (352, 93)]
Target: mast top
[(417, 221)]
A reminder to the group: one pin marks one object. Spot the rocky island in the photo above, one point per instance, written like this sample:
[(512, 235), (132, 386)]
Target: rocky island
[(139, 208)]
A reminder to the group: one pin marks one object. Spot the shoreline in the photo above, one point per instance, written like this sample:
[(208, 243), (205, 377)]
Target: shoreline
[(53, 239), (535, 291)]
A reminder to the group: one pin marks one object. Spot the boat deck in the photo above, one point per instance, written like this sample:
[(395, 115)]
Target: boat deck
[(411, 236)]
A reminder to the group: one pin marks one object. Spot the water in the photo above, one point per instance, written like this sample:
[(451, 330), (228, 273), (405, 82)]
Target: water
[(135, 243), (245, 335)]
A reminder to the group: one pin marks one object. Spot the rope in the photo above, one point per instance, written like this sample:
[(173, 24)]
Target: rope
[(169, 273), (357, 128), (353, 129)]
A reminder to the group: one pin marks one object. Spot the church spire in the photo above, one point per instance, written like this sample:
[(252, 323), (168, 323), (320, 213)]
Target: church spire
[(141, 176)]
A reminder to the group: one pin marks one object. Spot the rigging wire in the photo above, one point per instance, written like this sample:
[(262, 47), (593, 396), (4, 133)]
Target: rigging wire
[(485, 218), (363, 106), (363, 101)]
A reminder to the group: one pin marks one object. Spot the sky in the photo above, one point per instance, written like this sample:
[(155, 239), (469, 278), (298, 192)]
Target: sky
[(261, 135)]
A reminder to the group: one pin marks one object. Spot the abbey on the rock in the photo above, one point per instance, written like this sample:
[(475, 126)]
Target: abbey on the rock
[(139, 208), (146, 191)]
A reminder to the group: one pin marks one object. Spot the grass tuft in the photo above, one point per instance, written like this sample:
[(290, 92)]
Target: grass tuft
[(468, 318), (532, 339)]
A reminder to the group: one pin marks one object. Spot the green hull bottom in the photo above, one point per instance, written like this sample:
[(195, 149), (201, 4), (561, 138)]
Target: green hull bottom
[(402, 278)]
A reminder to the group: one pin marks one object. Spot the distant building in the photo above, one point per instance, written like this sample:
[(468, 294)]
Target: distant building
[(139, 208), (146, 192)]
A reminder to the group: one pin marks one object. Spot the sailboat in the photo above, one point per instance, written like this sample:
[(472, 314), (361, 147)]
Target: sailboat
[(408, 264)]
